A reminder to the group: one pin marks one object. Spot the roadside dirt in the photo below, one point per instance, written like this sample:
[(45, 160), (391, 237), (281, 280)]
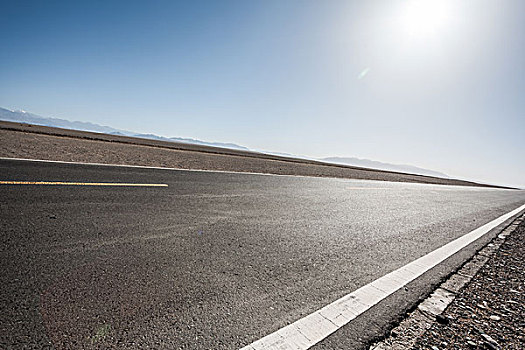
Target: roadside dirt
[(489, 312), (38, 142)]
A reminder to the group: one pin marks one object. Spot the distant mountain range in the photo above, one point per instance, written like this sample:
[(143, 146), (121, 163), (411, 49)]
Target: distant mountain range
[(29, 118), (372, 164), (20, 116)]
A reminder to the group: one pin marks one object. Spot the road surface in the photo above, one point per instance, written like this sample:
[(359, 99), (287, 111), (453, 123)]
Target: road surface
[(212, 260)]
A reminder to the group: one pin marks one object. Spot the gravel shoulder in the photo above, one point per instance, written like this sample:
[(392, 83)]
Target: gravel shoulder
[(490, 312), (40, 142), (482, 306)]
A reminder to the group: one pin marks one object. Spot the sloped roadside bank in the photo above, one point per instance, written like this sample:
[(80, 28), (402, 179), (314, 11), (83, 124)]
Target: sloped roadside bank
[(480, 307), (40, 142)]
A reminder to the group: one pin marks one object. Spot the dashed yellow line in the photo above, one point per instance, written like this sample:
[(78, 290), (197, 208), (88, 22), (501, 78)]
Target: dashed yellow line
[(61, 183)]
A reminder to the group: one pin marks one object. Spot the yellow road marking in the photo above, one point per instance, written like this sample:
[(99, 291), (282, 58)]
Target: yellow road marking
[(79, 183)]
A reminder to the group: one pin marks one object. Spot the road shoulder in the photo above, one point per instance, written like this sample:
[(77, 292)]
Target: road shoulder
[(481, 306)]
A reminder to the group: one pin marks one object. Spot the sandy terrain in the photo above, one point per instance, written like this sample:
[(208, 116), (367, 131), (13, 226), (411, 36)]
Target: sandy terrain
[(38, 142)]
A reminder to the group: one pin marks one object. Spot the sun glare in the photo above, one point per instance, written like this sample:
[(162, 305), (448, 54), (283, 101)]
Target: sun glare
[(424, 18)]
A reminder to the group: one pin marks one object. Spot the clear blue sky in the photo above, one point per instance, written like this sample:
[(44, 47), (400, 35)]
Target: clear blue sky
[(439, 85)]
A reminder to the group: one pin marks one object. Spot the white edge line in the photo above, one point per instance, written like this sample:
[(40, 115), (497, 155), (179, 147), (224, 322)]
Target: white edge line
[(167, 168), (254, 173), (311, 329)]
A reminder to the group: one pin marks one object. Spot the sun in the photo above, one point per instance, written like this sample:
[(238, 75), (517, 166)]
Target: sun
[(425, 18)]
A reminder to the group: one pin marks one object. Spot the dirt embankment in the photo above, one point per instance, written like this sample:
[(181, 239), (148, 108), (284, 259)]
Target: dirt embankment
[(40, 142)]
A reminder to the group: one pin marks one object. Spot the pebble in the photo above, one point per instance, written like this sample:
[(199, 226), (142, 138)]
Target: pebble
[(442, 319), (489, 339), (495, 318), (471, 344), (480, 331), (490, 346)]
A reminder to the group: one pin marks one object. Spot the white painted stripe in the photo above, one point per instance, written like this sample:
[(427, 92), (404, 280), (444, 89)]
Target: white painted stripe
[(370, 188), (193, 170), (469, 188), (311, 329)]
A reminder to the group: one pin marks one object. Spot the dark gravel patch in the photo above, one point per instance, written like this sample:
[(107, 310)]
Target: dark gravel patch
[(489, 312)]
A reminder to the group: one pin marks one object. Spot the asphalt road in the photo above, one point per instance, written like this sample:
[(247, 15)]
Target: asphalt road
[(214, 260)]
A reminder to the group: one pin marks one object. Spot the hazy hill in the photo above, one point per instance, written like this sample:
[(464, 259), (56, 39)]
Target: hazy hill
[(372, 164), (29, 118)]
